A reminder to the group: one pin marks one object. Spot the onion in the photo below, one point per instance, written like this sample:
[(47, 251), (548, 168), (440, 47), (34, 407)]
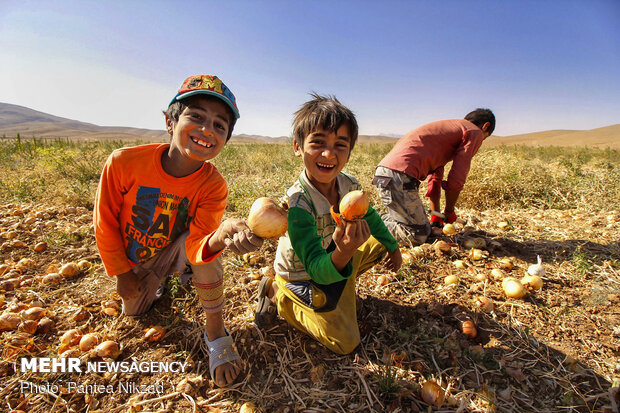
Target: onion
[(354, 205), (476, 254), (88, 341), (481, 277), (537, 269), (9, 321), (497, 274), (154, 333), (504, 226), (432, 393), (84, 265), (442, 246), (45, 325), (110, 308), (34, 313), (460, 264), (485, 304), (451, 279), (418, 252), (70, 337), (267, 219), (52, 279), (406, 255), (469, 329), (506, 264), (108, 349), (70, 269), (470, 243), (533, 281), (40, 247), (449, 229), (28, 326), (513, 288), (383, 280), (248, 407)]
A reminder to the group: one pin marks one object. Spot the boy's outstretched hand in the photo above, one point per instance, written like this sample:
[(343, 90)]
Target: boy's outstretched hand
[(394, 260), (235, 234), (348, 237)]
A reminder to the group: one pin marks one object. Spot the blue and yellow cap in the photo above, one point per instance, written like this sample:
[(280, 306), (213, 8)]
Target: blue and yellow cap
[(207, 85)]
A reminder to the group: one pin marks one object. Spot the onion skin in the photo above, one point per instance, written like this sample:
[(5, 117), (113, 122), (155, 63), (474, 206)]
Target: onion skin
[(88, 341), (267, 219), (108, 349)]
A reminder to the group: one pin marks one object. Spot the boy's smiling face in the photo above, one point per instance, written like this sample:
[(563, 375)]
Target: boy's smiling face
[(324, 154), (200, 133)]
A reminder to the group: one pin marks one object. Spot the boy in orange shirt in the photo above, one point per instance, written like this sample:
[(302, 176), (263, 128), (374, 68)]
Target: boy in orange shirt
[(158, 209)]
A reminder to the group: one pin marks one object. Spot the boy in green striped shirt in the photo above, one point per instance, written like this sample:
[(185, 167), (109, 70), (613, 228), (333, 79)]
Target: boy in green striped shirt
[(318, 261)]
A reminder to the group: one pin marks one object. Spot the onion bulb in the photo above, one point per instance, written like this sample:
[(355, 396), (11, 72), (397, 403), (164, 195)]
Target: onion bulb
[(108, 349), (34, 313), (506, 264), (418, 252), (9, 321), (70, 337), (383, 280), (88, 341), (451, 279), (513, 288), (477, 242), (45, 325), (40, 247), (449, 229), (485, 304), (469, 329), (28, 326), (267, 219), (442, 246), (432, 393), (154, 333), (497, 273), (537, 269), (533, 281), (354, 205), (460, 264), (70, 269), (248, 407), (476, 254)]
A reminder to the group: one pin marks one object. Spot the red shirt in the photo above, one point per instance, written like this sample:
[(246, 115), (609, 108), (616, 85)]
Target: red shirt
[(426, 150)]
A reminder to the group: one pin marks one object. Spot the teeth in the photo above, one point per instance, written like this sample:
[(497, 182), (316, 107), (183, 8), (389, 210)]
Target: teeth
[(324, 165), (202, 143)]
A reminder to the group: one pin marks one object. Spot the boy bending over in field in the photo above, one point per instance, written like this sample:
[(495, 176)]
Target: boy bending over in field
[(424, 152), (158, 209), (317, 261)]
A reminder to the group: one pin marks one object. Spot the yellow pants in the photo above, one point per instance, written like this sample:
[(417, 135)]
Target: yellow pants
[(336, 329)]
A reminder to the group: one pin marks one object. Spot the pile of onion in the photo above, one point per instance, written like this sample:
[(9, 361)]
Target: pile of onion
[(267, 219), (353, 206)]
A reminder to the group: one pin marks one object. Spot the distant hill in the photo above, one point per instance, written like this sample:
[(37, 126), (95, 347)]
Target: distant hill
[(16, 119), (608, 136)]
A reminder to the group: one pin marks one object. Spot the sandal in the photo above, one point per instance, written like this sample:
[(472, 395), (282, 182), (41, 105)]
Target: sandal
[(266, 311), (220, 351)]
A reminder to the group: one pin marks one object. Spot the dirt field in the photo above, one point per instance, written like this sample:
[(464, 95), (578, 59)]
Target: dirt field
[(555, 350)]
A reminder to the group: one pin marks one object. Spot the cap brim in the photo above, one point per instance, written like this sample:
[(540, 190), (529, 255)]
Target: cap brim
[(206, 92)]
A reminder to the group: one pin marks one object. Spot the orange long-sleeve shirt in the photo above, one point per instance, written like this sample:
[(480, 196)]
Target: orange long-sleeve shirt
[(140, 209)]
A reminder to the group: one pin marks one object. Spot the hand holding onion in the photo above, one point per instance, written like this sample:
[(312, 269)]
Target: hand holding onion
[(235, 234)]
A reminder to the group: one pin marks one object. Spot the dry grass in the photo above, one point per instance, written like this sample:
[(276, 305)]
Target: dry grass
[(556, 350)]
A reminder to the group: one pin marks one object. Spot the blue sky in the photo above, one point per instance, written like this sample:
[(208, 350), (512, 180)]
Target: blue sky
[(538, 65)]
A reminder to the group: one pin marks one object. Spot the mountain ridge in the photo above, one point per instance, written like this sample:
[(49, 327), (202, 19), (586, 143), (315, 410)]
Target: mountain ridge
[(16, 119)]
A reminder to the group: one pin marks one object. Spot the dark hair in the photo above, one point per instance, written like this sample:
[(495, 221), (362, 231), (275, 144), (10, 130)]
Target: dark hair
[(177, 107), (481, 116), (323, 112)]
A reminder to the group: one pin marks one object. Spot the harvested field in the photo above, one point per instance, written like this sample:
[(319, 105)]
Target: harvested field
[(555, 350)]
